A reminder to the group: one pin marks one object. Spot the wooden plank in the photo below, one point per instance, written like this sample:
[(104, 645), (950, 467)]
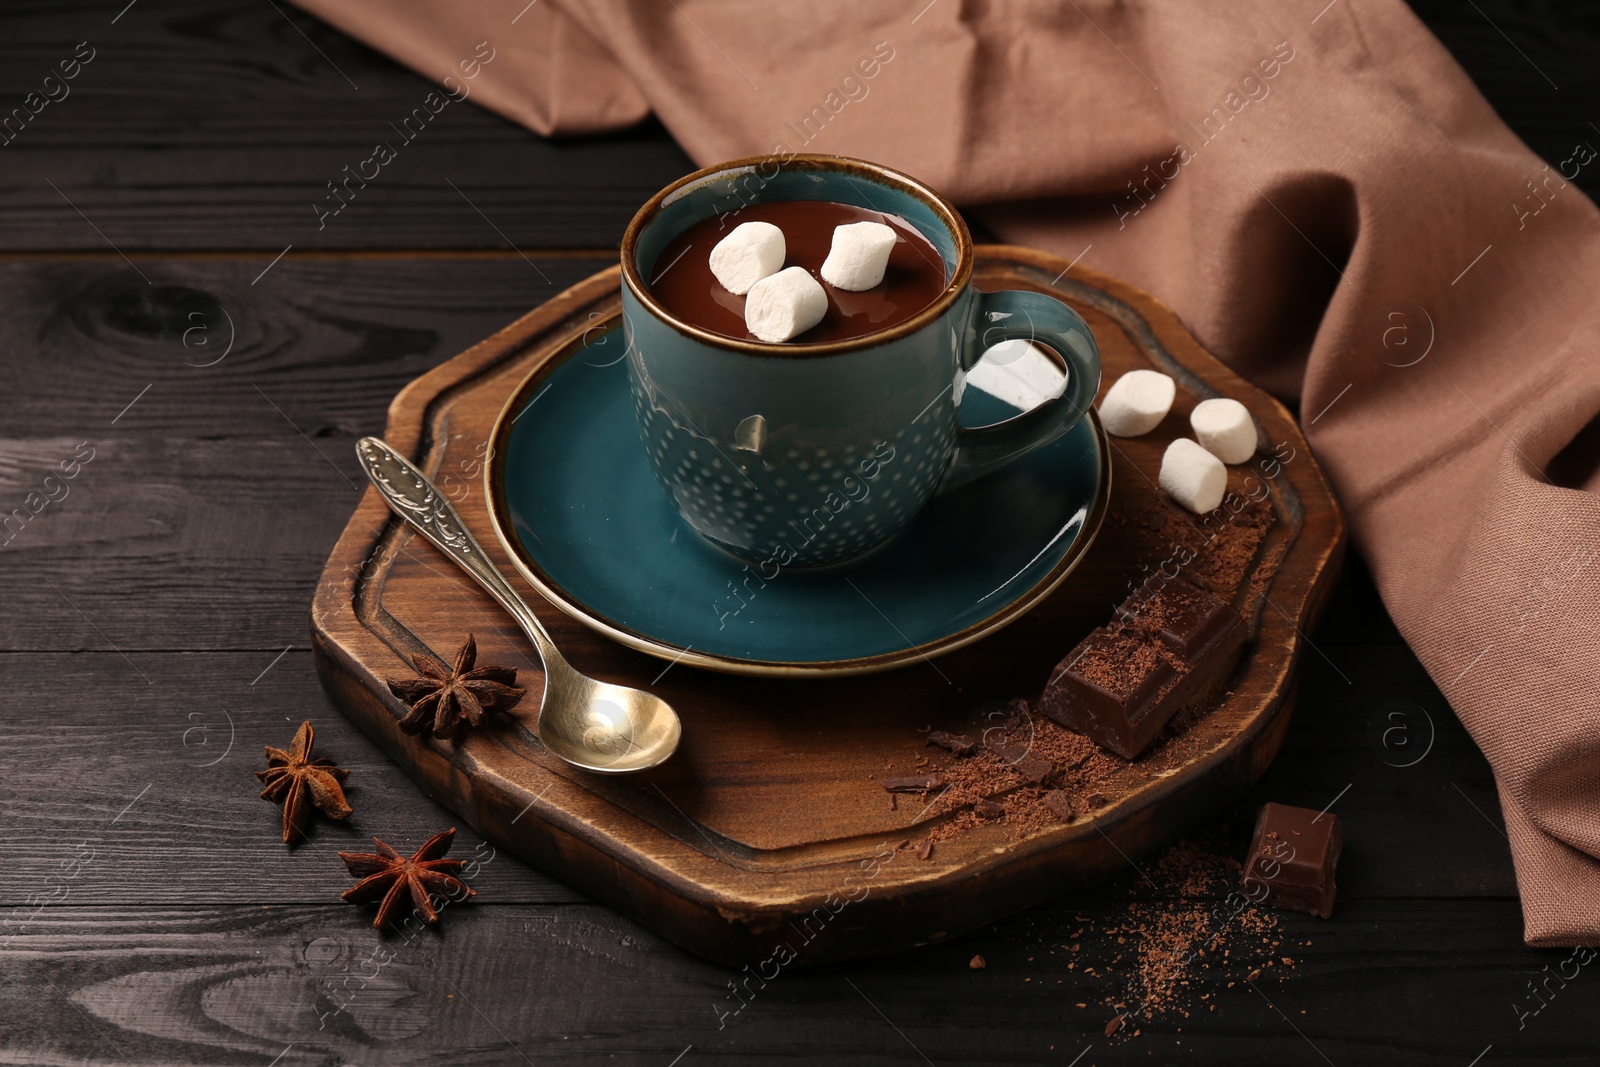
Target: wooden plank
[(217, 477), (198, 125), (153, 780), (201, 835), (1394, 982), (220, 340), (169, 544)]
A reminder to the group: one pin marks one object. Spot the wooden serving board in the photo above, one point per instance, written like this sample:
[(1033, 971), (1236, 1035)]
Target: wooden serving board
[(769, 835)]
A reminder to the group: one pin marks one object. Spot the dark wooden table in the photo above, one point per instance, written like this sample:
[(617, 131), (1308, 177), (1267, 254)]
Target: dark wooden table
[(169, 300)]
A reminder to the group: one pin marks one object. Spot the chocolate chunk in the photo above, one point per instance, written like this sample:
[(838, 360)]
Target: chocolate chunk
[(960, 744), (1124, 682), (1292, 859), (1059, 804), (1035, 768), (914, 785), (926, 851), (989, 809)]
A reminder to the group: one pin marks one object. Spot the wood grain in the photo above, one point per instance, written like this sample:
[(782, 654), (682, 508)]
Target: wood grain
[(200, 834), (574, 984), (154, 780), (218, 125), (328, 339), (220, 477)]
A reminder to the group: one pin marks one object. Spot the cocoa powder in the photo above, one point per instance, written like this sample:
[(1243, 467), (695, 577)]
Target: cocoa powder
[(1183, 937)]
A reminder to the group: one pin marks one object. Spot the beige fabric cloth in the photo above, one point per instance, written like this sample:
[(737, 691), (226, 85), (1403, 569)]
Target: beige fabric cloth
[(1225, 157)]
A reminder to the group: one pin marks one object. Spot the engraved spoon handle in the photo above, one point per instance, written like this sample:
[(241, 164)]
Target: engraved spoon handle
[(410, 495)]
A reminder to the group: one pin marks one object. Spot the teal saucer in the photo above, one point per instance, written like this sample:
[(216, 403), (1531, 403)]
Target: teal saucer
[(573, 501)]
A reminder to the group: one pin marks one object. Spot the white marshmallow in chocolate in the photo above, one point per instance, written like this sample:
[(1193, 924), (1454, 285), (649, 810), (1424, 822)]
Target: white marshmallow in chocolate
[(1225, 429), (858, 256), (784, 305), (1137, 403), (1192, 476), (752, 251)]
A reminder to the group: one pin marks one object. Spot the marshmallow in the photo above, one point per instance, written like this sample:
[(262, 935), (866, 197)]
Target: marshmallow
[(784, 305), (1192, 476), (1137, 403), (752, 251), (859, 255), (1225, 429)]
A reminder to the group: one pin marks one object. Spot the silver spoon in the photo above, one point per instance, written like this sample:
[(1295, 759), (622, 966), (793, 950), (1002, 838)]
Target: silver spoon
[(591, 724)]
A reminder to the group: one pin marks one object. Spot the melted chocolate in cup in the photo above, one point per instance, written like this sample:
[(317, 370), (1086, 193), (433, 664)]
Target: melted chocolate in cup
[(686, 287)]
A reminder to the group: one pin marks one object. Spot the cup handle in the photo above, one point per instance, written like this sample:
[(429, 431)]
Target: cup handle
[(1021, 315)]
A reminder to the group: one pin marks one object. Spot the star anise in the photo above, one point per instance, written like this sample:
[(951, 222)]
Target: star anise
[(391, 876), (302, 783), (447, 697)]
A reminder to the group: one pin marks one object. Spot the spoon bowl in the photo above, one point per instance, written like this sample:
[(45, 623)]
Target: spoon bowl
[(603, 727), (597, 726)]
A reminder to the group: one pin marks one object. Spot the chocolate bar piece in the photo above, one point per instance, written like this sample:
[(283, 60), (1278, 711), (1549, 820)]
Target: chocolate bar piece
[(1292, 859), (1125, 681), (1110, 689), (1186, 618)]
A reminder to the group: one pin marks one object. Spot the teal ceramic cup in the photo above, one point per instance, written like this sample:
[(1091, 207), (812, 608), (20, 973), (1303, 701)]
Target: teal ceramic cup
[(804, 455)]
